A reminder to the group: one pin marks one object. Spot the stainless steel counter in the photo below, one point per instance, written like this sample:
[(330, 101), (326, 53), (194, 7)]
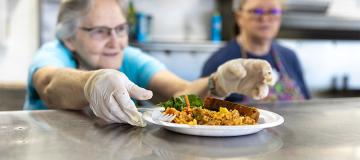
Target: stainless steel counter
[(326, 129)]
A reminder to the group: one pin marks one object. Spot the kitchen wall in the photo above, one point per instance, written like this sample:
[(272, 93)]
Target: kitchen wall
[(345, 8), (3, 17), (185, 20), (325, 62), (178, 20), (20, 42)]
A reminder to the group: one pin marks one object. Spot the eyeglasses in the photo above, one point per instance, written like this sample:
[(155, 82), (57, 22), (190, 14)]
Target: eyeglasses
[(102, 33), (258, 12)]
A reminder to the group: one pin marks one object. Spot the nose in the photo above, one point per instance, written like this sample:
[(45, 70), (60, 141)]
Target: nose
[(269, 18), (265, 18), (113, 39)]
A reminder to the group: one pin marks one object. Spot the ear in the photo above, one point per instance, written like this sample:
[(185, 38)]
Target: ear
[(69, 43), (238, 16)]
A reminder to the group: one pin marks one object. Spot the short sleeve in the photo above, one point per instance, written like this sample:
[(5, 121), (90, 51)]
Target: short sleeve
[(140, 67)]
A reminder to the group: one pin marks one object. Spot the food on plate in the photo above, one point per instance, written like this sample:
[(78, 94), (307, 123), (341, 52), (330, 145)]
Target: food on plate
[(190, 109)]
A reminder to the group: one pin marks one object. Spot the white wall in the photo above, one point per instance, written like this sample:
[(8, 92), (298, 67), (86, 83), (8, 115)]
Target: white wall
[(178, 20), (173, 20), (323, 60), (21, 42), (345, 8), (3, 15)]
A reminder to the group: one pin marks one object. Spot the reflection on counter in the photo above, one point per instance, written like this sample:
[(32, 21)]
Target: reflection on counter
[(169, 145)]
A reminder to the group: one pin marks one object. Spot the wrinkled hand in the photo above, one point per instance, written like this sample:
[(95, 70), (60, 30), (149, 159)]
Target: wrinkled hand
[(250, 77), (108, 93)]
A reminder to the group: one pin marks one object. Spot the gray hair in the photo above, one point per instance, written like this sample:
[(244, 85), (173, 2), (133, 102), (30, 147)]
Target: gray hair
[(72, 12), (239, 4)]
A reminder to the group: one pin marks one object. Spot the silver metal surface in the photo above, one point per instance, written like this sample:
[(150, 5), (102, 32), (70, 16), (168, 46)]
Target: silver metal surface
[(326, 129), (320, 22), (186, 47)]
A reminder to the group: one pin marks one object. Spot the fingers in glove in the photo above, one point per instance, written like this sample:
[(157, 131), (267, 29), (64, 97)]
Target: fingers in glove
[(135, 91), (266, 71), (128, 111), (260, 92), (111, 113), (104, 114), (116, 111), (236, 69), (139, 93), (101, 112)]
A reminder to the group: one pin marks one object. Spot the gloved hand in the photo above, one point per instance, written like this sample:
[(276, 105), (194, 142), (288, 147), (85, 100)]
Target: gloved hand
[(108, 93), (250, 77)]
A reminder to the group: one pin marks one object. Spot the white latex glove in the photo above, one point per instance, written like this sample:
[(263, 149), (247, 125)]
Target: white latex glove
[(250, 77), (108, 93)]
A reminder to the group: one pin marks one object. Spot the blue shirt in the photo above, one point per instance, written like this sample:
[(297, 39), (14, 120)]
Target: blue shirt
[(137, 66), (233, 50)]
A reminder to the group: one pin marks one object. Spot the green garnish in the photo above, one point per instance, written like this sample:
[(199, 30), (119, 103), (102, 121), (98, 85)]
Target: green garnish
[(179, 102)]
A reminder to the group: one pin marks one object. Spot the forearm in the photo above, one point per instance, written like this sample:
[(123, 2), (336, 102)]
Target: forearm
[(166, 85), (197, 87), (62, 88)]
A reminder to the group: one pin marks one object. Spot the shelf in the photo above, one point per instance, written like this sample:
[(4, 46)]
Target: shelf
[(319, 26), (192, 47)]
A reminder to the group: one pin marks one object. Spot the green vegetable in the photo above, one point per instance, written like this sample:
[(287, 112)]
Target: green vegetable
[(196, 114), (179, 102)]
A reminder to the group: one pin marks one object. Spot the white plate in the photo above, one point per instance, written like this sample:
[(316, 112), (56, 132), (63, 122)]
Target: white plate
[(267, 119)]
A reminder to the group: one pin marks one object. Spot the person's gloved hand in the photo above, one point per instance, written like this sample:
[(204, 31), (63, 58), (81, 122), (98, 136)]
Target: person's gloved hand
[(108, 93), (250, 77)]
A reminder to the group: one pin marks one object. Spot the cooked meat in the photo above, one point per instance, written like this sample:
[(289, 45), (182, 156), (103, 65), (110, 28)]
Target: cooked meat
[(214, 105)]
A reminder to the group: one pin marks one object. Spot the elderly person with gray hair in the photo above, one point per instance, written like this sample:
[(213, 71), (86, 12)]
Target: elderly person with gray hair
[(91, 65)]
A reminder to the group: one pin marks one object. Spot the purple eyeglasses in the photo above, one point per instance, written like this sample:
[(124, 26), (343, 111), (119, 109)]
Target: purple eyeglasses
[(260, 12)]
